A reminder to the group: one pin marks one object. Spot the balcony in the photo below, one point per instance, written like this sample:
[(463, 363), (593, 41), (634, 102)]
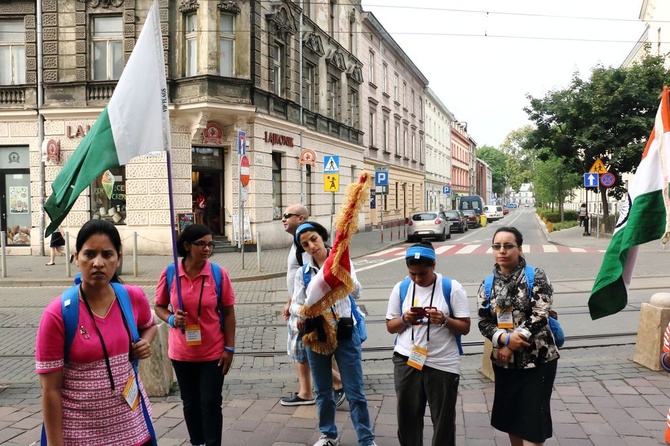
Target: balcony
[(17, 96)]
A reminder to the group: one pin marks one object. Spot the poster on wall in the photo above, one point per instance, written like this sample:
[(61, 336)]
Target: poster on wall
[(18, 199), (247, 227)]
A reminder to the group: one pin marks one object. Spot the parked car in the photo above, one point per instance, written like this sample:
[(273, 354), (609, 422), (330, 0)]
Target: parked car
[(511, 205), (505, 211), (493, 212), (472, 218), (458, 221), (428, 224)]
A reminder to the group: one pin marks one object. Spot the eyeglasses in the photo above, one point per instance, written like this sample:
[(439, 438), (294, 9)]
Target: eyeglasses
[(288, 215), (201, 244), (506, 246)]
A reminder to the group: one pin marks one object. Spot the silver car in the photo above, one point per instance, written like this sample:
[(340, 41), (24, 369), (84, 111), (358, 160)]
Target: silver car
[(428, 224)]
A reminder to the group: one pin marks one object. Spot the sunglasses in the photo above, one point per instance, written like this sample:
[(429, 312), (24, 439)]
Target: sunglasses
[(506, 246), (201, 244), (288, 215)]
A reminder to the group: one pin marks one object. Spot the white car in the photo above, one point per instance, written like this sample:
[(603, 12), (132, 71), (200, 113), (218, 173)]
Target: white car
[(493, 212)]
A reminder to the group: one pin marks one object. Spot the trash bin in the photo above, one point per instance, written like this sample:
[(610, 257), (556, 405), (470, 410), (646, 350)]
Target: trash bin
[(482, 220)]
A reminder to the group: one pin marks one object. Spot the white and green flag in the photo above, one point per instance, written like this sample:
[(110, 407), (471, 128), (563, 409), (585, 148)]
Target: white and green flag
[(643, 218), (135, 122)]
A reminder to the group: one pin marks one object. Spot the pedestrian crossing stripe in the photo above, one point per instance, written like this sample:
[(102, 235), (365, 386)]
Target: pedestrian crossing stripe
[(481, 249)]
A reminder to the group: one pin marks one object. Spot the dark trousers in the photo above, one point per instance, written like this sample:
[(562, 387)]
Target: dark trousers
[(201, 384), (416, 387)]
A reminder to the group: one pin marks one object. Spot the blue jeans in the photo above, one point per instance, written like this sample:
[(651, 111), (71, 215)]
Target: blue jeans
[(349, 361), (200, 385)]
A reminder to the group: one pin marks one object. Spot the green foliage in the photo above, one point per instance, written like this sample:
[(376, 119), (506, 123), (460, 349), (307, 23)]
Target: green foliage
[(565, 224), (552, 180), (555, 217), (497, 161), (609, 116), (520, 160)]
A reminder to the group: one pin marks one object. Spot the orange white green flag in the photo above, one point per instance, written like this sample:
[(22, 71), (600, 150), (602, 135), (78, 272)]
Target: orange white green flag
[(644, 216), (135, 122)]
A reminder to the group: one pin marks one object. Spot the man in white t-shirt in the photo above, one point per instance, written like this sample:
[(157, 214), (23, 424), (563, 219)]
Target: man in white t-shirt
[(426, 358)]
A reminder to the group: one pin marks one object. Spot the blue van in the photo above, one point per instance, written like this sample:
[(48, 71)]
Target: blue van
[(473, 202)]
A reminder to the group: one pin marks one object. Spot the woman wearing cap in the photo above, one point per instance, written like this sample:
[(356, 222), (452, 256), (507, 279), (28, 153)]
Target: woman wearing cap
[(426, 360), (524, 355), (311, 237)]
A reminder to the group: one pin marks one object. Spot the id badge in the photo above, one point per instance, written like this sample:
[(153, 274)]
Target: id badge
[(193, 335), (417, 358), (131, 393), (505, 319)]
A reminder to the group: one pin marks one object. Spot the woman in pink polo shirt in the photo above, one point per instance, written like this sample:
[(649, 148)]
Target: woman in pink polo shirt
[(201, 349)]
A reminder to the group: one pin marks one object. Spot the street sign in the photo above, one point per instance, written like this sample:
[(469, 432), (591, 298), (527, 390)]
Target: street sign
[(598, 167), (590, 180), (331, 182), (241, 142), (244, 170), (373, 199), (331, 164), (446, 190), (382, 189), (308, 156), (381, 178), (607, 179)]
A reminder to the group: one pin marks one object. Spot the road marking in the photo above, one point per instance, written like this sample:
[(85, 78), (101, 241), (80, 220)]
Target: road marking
[(550, 248), (467, 249), (384, 252)]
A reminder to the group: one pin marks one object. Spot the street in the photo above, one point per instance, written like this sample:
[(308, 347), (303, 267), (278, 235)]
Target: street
[(262, 373)]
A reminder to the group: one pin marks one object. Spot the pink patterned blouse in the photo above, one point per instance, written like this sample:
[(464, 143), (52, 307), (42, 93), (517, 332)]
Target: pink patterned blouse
[(93, 413)]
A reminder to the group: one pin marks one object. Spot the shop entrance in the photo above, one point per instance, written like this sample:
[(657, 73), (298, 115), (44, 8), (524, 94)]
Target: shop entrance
[(207, 179), (15, 195)]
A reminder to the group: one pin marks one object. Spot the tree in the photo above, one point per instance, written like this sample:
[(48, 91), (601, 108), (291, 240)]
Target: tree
[(497, 161), (609, 116), (520, 160), (552, 182)]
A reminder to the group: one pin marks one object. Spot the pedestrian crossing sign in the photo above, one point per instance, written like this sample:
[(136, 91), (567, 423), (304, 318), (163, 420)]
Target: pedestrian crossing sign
[(598, 167), (331, 164), (331, 182)]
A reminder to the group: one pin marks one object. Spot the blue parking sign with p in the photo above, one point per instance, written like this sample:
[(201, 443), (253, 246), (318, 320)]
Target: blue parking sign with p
[(446, 190), (381, 178)]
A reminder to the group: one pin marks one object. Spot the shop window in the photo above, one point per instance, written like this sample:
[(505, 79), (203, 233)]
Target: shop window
[(107, 42), (108, 196), (277, 206)]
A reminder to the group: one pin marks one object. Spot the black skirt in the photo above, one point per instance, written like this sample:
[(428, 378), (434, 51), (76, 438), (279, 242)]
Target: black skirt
[(56, 240), (521, 405)]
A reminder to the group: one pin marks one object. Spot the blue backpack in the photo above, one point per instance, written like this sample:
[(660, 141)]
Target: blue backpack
[(554, 325), (446, 292), (216, 274), (70, 312), (361, 328)]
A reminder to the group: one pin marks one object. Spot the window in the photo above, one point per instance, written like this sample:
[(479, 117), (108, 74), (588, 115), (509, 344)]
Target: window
[(397, 137), (385, 77), (307, 8), (395, 87), (276, 186), (12, 52), (227, 45), (372, 128), (277, 64), (333, 96), (385, 136), (353, 108), (331, 16), (413, 146), (309, 88), (412, 104), (108, 196), (107, 40), (404, 93), (371, 67), (404, 143), (191, 45)]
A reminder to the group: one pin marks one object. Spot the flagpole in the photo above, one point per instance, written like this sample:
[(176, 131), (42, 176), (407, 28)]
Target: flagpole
[(173, 233)]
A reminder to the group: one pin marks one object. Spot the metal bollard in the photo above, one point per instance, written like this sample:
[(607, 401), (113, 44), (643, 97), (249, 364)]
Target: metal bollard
[(398, 230), (136, 271), (391, 231), (3, 254), (68, 265), (258, 251)]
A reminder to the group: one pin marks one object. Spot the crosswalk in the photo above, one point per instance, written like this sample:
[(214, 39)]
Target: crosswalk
[(482, 248)]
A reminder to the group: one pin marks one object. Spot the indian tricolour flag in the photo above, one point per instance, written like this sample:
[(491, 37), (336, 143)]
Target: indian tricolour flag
[(643, 218), (135, 122)]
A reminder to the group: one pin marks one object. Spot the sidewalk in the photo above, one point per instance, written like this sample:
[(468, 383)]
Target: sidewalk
[(601, 396)]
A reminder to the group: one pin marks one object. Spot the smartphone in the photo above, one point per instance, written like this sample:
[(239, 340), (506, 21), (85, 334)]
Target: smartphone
[(420, 311)]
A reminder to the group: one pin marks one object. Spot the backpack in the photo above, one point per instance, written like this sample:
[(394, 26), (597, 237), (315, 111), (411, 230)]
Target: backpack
[(216, 274), (70, 312), (446, 292), (357, 314), (554, 325)]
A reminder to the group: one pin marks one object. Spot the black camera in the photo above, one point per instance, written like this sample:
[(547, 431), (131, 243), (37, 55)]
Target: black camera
[(345, 328)]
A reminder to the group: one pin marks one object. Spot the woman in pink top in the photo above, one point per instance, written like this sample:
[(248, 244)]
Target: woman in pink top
[(200, 349), (83, 400)]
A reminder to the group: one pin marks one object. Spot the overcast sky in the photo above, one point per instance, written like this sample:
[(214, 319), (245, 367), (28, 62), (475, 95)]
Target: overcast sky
[(482, 57)]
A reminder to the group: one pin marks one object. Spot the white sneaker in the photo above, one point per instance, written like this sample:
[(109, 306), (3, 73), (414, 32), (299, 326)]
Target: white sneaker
[(327, 441)]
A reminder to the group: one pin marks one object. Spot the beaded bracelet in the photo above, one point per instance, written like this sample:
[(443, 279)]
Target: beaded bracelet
[(171, 321), (507, 340)]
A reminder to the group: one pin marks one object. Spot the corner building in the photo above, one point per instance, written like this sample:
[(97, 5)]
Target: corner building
[(288, 77)]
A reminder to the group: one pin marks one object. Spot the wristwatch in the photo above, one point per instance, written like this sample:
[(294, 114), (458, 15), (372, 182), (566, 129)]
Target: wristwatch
[(446, 319)]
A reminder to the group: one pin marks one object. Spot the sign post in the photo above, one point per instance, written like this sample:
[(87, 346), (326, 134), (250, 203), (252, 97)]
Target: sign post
[(331, 181), (382, 187), (242, 153)]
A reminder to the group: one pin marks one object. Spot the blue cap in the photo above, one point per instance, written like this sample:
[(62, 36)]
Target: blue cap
[(420, 252), (301, 228)]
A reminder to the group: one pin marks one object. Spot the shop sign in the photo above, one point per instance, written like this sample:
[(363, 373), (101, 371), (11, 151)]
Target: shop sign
[(76, 131), (275, 138)]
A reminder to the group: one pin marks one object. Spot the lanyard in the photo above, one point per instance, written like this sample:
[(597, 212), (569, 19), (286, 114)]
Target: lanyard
[(430, 305), (102, 340), (202, 287)]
